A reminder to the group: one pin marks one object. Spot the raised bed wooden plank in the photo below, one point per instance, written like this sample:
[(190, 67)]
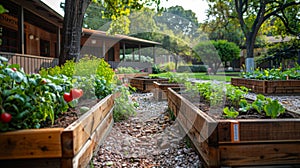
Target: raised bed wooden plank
[(31, 163), (269, 86), (76, 135), (230, 142), (85, 154), (241, 154), (261, 130), (31, 143)]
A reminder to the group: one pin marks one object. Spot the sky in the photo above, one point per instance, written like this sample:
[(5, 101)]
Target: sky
[(197, 6)]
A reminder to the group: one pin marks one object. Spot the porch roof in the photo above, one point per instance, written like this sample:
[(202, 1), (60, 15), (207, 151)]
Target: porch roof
[(131, 42), (47, 17)]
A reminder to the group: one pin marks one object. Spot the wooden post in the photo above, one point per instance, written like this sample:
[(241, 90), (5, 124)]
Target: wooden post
[(21, 30), (154, 60), (124, 48), (132, 54), (139, 52), (58, 41), (103, 49)]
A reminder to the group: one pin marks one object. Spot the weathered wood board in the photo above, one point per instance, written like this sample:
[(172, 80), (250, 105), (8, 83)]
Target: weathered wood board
[(239, 142)]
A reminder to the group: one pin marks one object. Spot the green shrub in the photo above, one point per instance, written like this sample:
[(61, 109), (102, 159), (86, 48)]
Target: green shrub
[(67, 69), (124, 106), (126, 70), (192, 68)]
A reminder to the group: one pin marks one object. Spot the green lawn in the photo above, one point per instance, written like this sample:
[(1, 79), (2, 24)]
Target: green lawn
[(203, 76)]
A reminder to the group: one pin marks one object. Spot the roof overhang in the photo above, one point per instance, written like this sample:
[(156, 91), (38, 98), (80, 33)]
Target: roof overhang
[(131, 42)]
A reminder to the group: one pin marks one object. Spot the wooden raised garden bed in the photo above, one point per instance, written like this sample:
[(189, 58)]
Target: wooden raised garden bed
[(59, 147), (161, 88), (269, 86), (238, 142), (145, 83)]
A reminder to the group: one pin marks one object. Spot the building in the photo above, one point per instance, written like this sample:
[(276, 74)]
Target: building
[(30, 35)]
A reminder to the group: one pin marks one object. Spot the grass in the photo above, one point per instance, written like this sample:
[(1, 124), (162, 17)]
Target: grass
[(202, 76)]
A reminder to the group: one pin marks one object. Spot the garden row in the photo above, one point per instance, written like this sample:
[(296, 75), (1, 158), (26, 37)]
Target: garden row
[(226, 128), (58, 118)]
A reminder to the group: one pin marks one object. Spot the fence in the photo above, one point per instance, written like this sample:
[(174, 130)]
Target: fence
[(30, 63)]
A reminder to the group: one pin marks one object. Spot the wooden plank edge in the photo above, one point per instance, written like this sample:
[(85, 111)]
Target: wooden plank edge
[(84, 156), (31, 144), (71, 143)]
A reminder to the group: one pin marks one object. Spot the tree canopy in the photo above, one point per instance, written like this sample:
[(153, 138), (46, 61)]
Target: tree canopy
[(252, 15), (214, 53), (73, 20)]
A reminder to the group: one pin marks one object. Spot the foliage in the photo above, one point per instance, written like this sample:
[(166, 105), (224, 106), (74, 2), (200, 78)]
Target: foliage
[(102, 87), (180, 21), (104, 70), (230, 112), (126, 70), (256, 18), (235, 102), (68, 69), (30, 99), (273, 74), (124, 106), (272, 108), (213, 53), (93, 19), (74, 15), (192, 68), (2, 9), (175, 78), (156, 69), (86, 74), (170, 66)]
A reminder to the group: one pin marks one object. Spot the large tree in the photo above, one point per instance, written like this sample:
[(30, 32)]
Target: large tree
[(255, 15), (252, 15), (74, 15)]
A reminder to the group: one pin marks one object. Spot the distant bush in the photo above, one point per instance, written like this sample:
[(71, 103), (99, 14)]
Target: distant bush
[(156, 69), (192, 68)]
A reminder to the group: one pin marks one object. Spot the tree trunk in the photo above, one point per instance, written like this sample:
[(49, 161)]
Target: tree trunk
[(250, 41), (72, 28)]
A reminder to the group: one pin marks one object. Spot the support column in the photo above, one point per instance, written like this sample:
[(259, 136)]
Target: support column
[(58, 41), (154, 59), (124, 48), (139, 52), (132, 54), (103, 49), (21, 30)]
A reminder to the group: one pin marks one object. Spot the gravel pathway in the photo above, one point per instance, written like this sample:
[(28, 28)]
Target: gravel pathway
[(150, 139)]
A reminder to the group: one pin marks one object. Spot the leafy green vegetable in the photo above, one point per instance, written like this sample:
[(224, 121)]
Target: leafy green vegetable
[(244, 105), (230, 113), (273, 108), (258, 104)]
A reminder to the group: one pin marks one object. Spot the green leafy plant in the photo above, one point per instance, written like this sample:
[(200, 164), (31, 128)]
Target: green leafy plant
[(230, 112), (258, 104), (124, 106), (30, 99), (126, 70), (273, 108), (102, 88), (244, 105)]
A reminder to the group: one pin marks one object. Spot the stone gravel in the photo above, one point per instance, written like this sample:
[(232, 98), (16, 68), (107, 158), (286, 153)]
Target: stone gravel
[(149, 139)]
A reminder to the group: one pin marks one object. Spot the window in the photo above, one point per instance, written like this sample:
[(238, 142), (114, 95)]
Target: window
[(44, 48), (8, 40)]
